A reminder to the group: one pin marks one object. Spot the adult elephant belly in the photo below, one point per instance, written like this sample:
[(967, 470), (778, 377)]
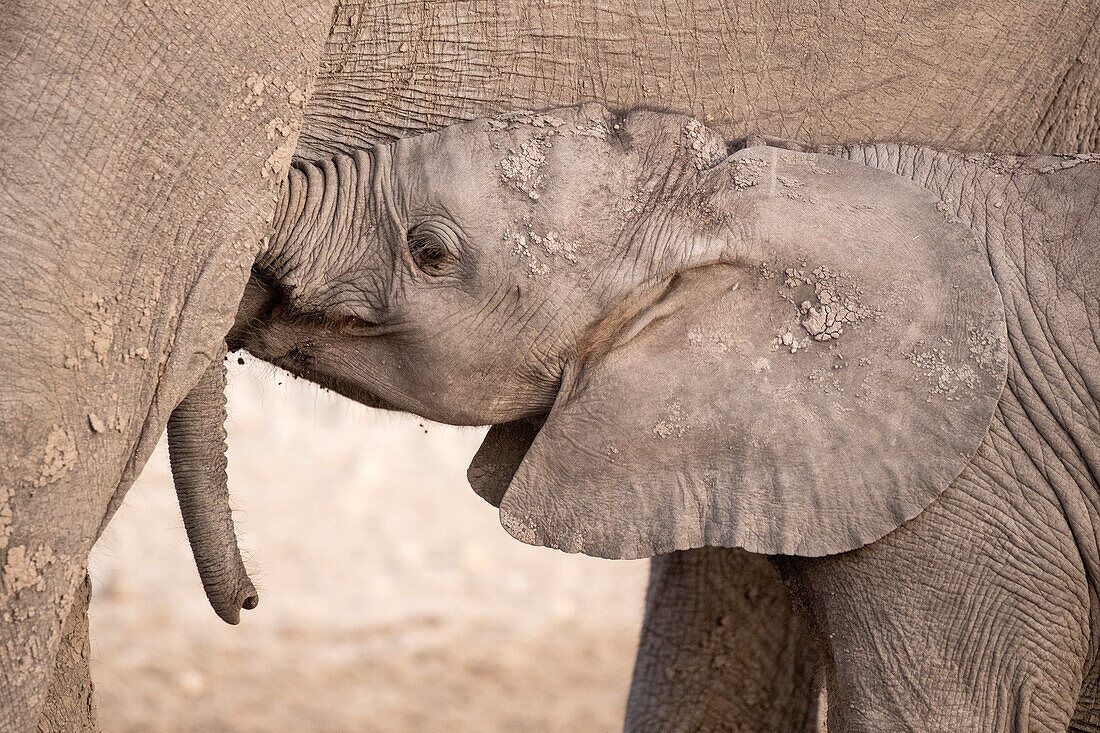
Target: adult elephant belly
[(993, 76), (922, 72)]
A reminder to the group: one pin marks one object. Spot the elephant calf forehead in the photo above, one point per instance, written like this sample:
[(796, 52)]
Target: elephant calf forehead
[(519, 142)]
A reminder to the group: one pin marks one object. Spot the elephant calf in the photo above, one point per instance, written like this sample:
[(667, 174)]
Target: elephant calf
[(879, 363)]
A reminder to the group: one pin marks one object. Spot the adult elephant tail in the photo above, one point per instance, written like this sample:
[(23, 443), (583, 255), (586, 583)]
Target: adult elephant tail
[(196, 448)]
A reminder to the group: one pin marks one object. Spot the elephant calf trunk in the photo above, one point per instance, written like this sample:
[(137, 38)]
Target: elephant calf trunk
[(196, 447)]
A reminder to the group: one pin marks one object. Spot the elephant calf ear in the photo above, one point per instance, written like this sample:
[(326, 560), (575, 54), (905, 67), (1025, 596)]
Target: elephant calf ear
[(806, 399)]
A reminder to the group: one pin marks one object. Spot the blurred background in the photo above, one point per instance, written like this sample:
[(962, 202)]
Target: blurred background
[(390, 597)]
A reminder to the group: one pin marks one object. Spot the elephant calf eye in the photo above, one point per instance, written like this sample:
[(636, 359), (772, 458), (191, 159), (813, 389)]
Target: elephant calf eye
[(431, 247)]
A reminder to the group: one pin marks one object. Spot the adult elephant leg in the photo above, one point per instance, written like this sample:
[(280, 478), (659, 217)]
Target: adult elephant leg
[(70, 703), (142, 150), (972, 616), (722, 648)]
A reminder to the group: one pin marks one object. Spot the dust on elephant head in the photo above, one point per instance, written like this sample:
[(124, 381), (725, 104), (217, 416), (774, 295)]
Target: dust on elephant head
[(773, 350)]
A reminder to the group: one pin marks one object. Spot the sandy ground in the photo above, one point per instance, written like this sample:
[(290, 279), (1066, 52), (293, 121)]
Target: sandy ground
[(391, 599)]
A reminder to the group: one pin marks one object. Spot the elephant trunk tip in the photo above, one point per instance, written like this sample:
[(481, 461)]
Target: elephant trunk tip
[(229, 606)]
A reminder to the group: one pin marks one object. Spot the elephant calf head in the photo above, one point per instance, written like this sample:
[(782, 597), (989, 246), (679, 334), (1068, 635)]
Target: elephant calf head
[(677, 347)]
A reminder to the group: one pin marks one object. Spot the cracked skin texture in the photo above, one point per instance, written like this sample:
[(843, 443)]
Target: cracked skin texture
[(984, 75), (1005, 639), (1033, 219)]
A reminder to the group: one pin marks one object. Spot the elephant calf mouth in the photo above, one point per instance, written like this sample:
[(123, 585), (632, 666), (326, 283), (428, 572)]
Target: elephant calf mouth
[(262, 295)]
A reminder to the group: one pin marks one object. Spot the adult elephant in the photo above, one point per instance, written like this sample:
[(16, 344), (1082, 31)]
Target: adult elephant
[(720, 640), (141, 148)]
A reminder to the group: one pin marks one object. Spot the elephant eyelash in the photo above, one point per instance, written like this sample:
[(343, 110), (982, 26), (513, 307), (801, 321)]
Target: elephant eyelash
[(428, 254), (432, 246)]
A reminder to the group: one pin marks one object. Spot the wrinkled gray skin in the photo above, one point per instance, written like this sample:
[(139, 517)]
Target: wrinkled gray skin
[(472, 276), (981, 612)]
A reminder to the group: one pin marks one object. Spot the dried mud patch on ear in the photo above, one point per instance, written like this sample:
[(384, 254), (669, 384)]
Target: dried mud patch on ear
[(826, 302), (713, 343), (952, 369), (945, 378), (673, 424), (987, 348)]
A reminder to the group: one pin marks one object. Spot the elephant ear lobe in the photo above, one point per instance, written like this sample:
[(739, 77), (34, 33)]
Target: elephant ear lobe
[(806, 399), (500, 454)]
